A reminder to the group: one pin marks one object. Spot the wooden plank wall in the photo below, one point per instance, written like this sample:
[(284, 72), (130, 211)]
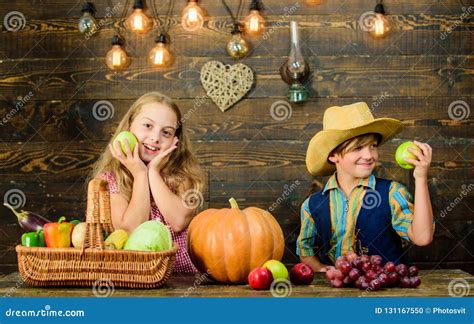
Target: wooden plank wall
[(48, 146)]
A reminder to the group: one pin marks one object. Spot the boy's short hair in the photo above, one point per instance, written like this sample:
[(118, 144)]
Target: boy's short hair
[(352, 143)]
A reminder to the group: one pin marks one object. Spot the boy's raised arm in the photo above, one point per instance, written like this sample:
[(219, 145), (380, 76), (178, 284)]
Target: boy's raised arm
[(420, 231)]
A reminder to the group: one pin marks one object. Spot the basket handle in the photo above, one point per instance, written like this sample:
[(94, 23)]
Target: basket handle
[(97, 215), (104, 209)]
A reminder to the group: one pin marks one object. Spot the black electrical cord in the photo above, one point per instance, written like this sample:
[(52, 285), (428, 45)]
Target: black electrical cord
[(122, 17), (234, 18), (164, 26)]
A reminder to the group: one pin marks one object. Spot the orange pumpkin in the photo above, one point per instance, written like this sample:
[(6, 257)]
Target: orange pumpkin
[(228, 243)]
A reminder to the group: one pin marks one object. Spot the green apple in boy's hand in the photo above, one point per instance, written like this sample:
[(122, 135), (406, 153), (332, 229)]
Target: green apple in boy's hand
[(132, 140), (277, 269), (402, 154)]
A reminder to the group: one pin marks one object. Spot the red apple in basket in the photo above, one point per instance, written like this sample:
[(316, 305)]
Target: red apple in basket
[(260, 278), (301, 274)]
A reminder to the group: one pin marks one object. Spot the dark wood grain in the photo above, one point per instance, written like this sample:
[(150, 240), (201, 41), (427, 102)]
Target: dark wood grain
[(321, 35), (72, 8), (340, 76), (65, 120)]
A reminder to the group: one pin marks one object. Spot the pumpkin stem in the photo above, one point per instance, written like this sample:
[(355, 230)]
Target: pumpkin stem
[(233, 203)]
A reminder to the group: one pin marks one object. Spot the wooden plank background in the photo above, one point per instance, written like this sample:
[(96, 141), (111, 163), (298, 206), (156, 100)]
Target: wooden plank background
[(48, 147)]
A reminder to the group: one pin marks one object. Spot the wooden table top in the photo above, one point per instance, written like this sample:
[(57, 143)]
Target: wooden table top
[(434, 283)]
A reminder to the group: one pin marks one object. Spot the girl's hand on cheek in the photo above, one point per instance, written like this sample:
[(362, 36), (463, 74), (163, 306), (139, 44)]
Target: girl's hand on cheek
[(131, 160), (158, 163)]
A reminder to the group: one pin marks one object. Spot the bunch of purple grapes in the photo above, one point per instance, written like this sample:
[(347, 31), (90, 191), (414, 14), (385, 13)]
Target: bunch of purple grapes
[(367, 272)]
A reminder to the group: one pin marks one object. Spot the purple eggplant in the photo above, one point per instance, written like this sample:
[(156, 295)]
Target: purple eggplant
[(29, 221)]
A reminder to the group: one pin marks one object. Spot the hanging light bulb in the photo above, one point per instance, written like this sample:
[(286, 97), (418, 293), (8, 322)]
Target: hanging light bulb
[(160, 56), (117, 58), (193, 16), (87, 22), (254, 22), (237, 47), (138, 21), (380, 24)]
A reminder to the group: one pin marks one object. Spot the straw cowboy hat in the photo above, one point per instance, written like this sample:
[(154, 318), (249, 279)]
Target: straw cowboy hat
[(341, 123)]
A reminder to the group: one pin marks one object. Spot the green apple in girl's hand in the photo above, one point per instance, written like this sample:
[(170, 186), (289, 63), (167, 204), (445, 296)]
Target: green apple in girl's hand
[(132, 140), (402, 154)]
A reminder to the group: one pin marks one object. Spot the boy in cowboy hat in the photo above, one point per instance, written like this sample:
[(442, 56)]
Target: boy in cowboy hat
[(355, 211)]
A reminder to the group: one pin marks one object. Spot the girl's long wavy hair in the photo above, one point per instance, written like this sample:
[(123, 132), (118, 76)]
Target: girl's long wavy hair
[(182, 165)]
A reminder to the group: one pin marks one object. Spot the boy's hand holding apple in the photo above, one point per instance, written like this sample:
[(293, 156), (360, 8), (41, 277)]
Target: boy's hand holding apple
[(422, 165), (416, 155)]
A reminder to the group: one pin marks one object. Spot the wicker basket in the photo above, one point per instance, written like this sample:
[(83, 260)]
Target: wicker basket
[(40, 266)]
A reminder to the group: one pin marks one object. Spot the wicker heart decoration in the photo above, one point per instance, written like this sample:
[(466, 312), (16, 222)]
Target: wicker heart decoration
[(226, 84)]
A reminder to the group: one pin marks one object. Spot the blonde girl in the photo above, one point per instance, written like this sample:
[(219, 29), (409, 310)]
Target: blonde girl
[(150, 182)]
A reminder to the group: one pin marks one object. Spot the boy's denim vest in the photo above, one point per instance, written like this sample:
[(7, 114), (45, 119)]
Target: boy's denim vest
[(374, 231)]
